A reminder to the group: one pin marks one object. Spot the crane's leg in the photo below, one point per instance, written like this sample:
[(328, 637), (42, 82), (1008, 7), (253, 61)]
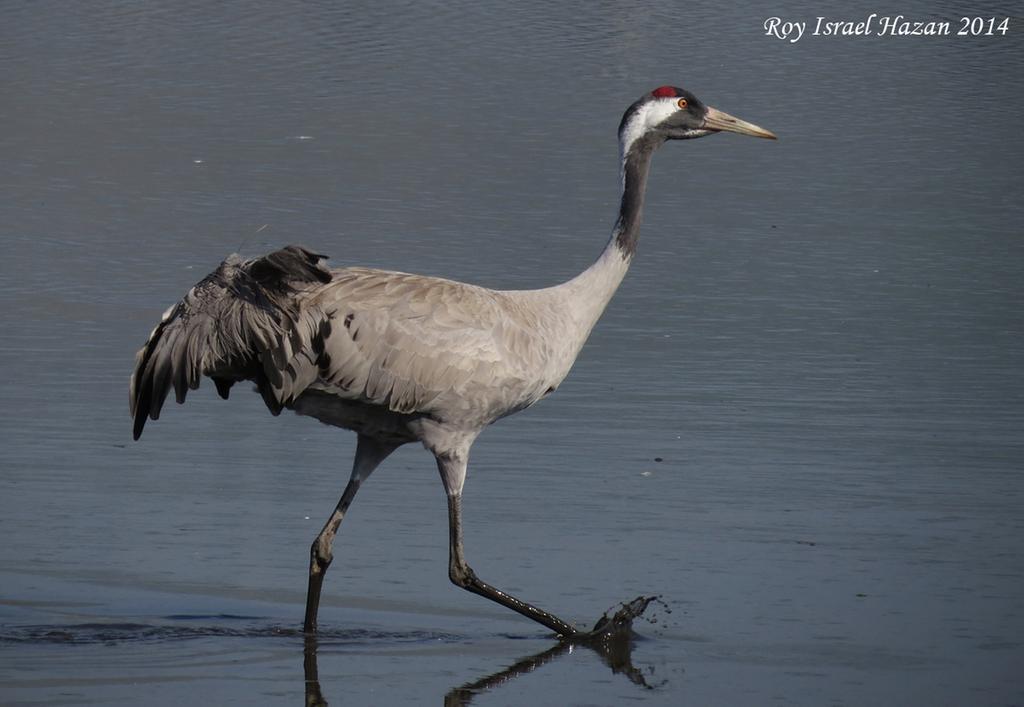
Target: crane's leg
[(369, 454), (453, 474)]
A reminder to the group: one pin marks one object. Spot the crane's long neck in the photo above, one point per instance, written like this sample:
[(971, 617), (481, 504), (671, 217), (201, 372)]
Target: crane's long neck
[(636, 163), (591, 290)]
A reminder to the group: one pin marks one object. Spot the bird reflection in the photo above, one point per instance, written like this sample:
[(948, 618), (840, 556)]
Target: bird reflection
[(314, 698), (615, 652)]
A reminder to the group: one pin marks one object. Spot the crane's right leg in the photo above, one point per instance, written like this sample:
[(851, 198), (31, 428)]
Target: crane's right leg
[(453, 474), (369, 454)]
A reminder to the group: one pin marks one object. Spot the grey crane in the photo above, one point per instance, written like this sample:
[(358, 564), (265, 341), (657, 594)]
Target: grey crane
[(401, 358)]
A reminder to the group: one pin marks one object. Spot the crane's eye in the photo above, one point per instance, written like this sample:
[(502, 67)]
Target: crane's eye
[(681, 103)]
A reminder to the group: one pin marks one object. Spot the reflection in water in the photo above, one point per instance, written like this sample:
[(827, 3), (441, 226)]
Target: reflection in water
[(615, 652), (611, 638), (314, 697)]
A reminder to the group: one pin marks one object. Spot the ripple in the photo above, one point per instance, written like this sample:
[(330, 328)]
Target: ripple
[(116, 633)]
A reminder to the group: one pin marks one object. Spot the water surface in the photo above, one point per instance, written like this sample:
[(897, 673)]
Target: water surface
[(799, 422)]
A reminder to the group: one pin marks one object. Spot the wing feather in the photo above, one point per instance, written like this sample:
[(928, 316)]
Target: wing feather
[(238, 323), (409, 343)]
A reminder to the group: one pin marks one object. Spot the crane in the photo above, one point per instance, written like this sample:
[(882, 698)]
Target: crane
[(400, 358)]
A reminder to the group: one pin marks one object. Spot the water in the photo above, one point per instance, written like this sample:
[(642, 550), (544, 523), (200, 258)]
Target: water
[(799, 422)]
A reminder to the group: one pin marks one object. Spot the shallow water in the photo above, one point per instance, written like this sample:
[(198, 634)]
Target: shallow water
[(800, 422)]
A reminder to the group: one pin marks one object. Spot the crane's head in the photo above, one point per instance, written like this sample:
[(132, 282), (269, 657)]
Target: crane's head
[(670, 113)]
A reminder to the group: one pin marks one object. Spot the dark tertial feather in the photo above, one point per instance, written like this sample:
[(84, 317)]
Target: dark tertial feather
[(223, 386), (290, 264), (236, 323)]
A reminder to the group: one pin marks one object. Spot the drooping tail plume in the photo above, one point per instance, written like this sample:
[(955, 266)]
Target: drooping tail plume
[(240, 322)]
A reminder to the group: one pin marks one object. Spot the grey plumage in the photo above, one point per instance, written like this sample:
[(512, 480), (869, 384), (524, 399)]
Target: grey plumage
[(404, 358), (407, 343)]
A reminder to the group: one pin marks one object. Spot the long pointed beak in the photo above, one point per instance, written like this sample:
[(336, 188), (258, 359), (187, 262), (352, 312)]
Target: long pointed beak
[(721, 121)]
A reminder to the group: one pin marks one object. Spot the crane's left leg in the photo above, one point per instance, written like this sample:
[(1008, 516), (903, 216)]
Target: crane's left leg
[(453, 474), (369, 454)]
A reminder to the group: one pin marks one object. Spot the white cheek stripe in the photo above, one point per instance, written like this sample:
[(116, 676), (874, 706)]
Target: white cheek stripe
[(649, 115)]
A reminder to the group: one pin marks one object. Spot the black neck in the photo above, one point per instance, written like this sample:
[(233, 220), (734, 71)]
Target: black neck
[(635, 165)]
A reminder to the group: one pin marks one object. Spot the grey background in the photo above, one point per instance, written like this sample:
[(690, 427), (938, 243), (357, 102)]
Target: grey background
[(820, 338)]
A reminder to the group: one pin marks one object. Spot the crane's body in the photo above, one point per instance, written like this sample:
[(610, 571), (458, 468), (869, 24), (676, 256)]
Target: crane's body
[(402, 358), (441, 350)]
